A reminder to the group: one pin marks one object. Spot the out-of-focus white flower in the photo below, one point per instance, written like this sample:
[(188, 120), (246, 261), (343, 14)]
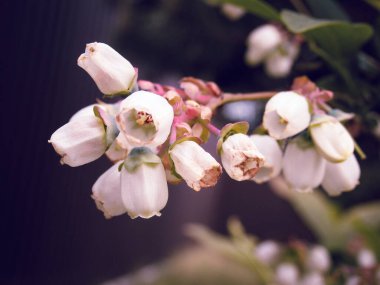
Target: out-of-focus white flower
[(286, 114), (267, 252), (287, 274), (279, 63), (313, 278), (107, 193), (342, 176), (261, 42), (80, 141), (303, 167), (331, 138), (366, 258), (240, 157), (319, 259), (196, 166), (233, 12), (144, 189), (112, 73), (145, 119), (269, 147)]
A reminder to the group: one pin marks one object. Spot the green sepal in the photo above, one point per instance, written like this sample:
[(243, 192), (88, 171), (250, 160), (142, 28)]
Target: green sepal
[(171, 163), (110, 129), (229, 130), (139, 156)]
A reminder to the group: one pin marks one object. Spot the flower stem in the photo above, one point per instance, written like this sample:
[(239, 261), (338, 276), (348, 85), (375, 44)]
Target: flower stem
[(359, 151), (214, 130), (234, 97)]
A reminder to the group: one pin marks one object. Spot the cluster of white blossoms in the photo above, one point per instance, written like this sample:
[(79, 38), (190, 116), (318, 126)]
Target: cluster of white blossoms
[(302, 264), (274, 47), (154, 136), (317, 148)]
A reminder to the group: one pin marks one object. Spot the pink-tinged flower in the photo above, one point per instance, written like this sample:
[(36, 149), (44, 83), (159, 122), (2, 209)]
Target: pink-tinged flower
[(286, 114), (240, 157), (342, 176), (145, 119), (269, 147), (303, 167), (366, 258), (313, 278), (196, 166), (268, 252), (331, 138), (144, 189), (112, 73), (107, 193), (80, 141)]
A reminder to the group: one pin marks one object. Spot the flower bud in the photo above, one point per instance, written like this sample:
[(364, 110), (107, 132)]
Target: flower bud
[(80, 141), (144, 189), (107, 193), (233, 12), (303, 167), (261, 41), (268, 252), (269, 147), (342, 176), (112, 73), (331, 138), (240, 157), (286, 114), (196, 166), (319, 259), (145, 119), (287, 274)]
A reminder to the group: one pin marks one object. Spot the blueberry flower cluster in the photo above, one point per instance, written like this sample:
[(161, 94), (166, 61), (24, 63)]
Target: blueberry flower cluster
[(154, 136)]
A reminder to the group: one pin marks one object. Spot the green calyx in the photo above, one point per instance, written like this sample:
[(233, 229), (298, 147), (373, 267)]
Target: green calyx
[(229, 130), (139, 156)]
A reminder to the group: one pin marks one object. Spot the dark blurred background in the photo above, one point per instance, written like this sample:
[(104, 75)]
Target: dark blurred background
[(52, 232)]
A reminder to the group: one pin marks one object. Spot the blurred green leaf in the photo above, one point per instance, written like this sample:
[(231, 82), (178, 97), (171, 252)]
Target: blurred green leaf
[(328, 9), (368, 213), (374, 3), (370, 235), (256, 7), (339, 39)]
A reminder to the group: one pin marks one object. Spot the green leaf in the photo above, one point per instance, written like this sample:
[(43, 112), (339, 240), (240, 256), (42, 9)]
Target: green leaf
[(374, 3), (328, 9), (368, 213), (256, 7), (339, 39)]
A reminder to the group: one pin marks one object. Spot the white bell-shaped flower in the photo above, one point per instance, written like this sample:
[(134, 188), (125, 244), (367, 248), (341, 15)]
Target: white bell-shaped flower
[(269, 147), (107, 193), (366, 258), (303, 167), (145, 119), (342, 176), (261, 42), (80, 141), (112, 73), (144, 189), (240, 157), (286, 114), (331, 138), (287, 274), (279, 63), (196, 166), (233, 12), (319, 259), (268, 252)]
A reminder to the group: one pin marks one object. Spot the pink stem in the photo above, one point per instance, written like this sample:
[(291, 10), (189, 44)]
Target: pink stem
[(214, 130)]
